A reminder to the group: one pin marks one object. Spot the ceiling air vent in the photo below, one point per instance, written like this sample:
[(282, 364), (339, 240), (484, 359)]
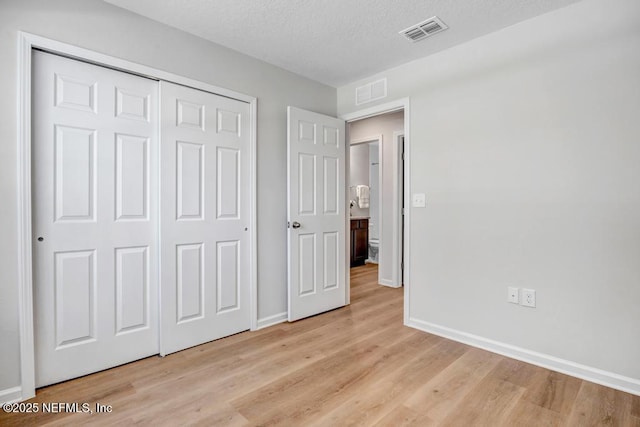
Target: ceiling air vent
[(371, 91), (424, 29)]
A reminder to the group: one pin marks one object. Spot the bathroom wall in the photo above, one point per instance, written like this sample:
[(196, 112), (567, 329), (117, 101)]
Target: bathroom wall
[(374, 186), (384, 125), (358, 174)]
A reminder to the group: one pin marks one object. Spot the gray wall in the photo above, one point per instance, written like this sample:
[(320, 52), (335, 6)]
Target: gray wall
[(107, 29), (527, 144)]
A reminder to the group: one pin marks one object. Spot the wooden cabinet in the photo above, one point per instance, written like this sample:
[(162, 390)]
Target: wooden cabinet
[(359, 241)]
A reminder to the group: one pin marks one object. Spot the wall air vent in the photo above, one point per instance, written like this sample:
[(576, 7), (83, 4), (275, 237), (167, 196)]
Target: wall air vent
[(424, 29), (371, 91)]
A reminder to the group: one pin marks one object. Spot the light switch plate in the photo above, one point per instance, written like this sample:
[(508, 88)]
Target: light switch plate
[(419, 200), (513, 295)]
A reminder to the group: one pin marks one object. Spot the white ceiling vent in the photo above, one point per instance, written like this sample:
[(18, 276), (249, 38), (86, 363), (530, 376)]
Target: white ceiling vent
[(424, 29), (371, 91)]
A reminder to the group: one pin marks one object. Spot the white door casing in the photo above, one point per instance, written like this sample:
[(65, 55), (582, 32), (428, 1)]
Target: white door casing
[(94, 174), (316, 213), (205, 217), (389, 107)]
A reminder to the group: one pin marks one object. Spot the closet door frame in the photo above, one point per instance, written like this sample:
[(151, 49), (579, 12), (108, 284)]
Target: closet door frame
[(26, 43)]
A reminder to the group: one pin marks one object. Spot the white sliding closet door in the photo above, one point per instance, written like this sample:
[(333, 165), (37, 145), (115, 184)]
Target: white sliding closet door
[(94, 172), (205, 217)]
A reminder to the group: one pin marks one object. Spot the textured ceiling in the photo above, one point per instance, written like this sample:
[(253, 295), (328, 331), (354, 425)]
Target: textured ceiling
[(336, 41)]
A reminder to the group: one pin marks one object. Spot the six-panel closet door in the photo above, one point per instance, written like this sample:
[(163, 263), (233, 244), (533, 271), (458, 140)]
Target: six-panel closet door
[(101, 179), (205, 239), (95, 217)]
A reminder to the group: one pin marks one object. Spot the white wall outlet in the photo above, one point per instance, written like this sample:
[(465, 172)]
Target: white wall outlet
[(513, 296), (419, 200), (528, 298)]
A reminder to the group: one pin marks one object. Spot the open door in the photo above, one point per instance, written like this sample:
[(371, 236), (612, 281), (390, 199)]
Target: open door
[(316, 213)]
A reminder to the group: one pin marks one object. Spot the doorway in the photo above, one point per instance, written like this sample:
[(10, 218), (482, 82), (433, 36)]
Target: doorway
[(365, 182), (376, 194)]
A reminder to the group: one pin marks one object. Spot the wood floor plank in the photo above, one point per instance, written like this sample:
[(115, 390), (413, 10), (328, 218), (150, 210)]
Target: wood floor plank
[(357, 365), (284, 398), (372, 404), (441, 396), (402, 416), (554, 391), (489, 403), (333, 389), (635, 406), (601, 406), (527, 414)]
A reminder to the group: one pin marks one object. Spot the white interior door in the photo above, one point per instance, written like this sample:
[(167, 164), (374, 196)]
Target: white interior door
[(94, 217), (316, 210), (205, 256)]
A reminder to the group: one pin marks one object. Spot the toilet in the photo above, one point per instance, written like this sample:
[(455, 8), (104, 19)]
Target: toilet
[(374, 246)]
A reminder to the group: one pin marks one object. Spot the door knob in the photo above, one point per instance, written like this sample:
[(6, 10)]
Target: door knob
[(40, 239), (295, 224)]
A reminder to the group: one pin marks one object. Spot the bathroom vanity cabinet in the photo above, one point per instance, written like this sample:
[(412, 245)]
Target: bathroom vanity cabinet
[(359, 240)]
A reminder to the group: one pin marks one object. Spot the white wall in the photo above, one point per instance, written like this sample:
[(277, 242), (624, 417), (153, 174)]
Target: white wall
[(386, 125), (107, 29), (527, 144)]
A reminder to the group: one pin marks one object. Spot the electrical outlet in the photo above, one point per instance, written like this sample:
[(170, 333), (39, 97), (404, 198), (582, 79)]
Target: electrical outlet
[(513, 296), (528, 298)]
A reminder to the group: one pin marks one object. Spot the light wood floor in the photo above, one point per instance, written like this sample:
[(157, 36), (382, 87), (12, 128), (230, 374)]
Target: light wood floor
[(353, 366)]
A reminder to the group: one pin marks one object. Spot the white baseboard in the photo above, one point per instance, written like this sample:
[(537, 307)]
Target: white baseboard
[(588, 373), (13, 394), (272, 320), (387, 282)]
